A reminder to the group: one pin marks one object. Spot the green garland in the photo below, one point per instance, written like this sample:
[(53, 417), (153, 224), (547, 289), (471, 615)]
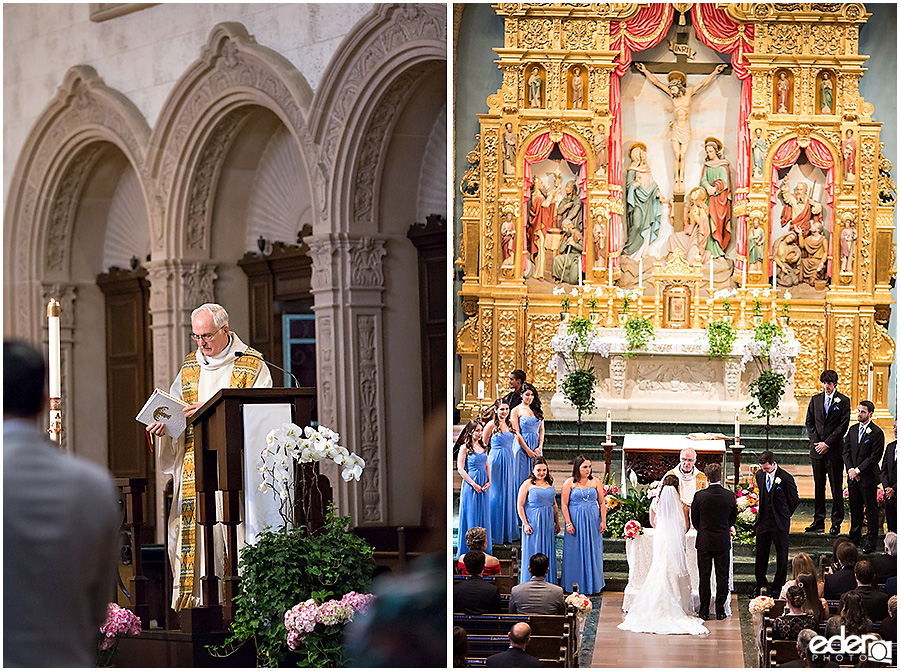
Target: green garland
[(638, 334), (721, 335)]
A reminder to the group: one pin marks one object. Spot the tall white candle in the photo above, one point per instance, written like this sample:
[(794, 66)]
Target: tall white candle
[(641, 273), (710, 274), (608, 426), (774, 275), (481, 390), (737, 429), (744, 277), (496, 391), (53, 316), (609, 274), (464, 393), (871, 382)]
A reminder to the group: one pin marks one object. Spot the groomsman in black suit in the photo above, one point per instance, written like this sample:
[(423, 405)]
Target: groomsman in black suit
[(827, 419), (713, 514), (778, 499), (862, 452), (889, 482)]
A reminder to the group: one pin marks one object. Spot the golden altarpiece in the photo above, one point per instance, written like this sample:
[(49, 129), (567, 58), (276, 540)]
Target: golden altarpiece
[(799, 118)]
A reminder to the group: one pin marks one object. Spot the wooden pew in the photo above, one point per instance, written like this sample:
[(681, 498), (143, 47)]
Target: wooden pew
[(559, 626), (549, 649), (504, 583)]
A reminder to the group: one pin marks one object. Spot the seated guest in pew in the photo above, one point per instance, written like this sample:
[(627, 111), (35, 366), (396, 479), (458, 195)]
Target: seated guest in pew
[(807, 659), (886, 564), (874, 601), (890, 586), (802, 563), (842, 579), (829, 563), (787, 626), (537, 596), (476, 539), (852, 617), (889, 624), (460, 647), (515, 657), (475, 596), (813, 605)]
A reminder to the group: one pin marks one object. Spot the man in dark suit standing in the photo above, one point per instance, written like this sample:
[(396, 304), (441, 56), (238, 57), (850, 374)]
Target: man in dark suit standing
[(827, 419), (515, 656), (889, 482), (474, 595), (713, 514), (778, 499), (862, 453)]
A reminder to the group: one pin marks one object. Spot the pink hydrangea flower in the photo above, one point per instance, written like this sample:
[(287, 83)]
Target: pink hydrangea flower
[(119, 621)]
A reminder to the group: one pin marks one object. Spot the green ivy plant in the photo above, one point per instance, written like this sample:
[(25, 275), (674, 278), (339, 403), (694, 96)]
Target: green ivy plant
[(638, 334), (578, 384), (721, 335), (768, 387), (726, 306), (565, 303), (592, 303), (284, 568)]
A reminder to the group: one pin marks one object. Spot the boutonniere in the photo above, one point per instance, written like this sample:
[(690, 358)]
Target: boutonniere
[(837, 399), (777, 481), (868, 430)]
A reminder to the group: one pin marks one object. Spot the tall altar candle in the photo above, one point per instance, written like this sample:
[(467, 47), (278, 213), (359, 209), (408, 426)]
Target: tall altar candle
[(641, 273), (464, 393), (481, 390), (737, 429), (871, 391), (744, 277), (608, 426), (53, 316), (774, 276), (609, 274), (710, 274)]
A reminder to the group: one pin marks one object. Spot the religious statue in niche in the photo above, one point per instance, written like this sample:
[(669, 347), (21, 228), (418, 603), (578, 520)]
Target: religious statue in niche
[(598, 235), (541, 218), (800, 210), (787, 260), (756, 240), (535, 86), (680, 94), (848, 246), (508, 238), (577, 89), (567, 263), (783, 94), (643, 209), (601, 151), (848, 150), (758, 152), (814, 254), (826, 93), (694, 240), (509, 151), (569, 209), (717, 182)]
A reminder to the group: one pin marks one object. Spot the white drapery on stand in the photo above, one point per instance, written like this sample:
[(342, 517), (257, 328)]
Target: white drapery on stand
[(260, 508)]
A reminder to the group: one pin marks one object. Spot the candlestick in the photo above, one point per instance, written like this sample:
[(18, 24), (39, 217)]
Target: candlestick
[(774, 275), (464, 393), (744, 277), (480, 390), (53, 317), (609, 274), (710, 275), (608, 426), (641, 273), (871, 391), (737, 429)]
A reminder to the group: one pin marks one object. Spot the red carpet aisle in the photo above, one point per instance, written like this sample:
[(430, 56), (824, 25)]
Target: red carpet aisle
[(720, 648)]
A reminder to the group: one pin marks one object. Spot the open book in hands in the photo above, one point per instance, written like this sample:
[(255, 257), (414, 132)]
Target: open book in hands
[(165, 408)]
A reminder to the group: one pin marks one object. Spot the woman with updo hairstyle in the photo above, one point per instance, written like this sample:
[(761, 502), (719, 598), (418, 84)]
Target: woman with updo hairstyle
[(499, 434), (476, 539), (584, 511), (474, 504), (795, 619), (852, 617), (528, 422)]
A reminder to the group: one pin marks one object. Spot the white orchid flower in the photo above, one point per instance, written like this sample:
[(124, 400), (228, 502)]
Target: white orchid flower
[(557, 290)]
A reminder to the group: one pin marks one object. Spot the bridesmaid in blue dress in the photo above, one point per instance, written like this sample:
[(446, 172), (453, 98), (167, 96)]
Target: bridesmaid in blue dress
[(528, 422), (502, 494), (584, 510), (474, 506), (540, 519)]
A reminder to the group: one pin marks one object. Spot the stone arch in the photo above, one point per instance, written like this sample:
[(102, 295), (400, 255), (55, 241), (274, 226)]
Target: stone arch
[(363, 90), (206, 110), (61, 150)]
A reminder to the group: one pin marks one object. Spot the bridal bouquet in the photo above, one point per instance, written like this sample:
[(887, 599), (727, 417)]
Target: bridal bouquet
[(633, 529), (579, 602), (761, 604)]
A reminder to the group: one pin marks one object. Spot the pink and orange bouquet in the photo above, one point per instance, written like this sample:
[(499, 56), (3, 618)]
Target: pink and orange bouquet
[(633, 529)]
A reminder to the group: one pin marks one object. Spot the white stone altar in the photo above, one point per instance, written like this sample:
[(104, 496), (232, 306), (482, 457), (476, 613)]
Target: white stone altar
[(673, 379), (639, 552), (652, 455)]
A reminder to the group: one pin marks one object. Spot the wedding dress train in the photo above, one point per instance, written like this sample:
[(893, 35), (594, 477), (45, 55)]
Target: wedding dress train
[(663, 606)]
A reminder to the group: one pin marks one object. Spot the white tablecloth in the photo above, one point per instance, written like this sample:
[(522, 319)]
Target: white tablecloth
[(639, 552)]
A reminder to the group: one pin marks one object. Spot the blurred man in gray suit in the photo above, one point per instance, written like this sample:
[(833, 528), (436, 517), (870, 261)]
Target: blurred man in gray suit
[(60, 531), (537, 596)]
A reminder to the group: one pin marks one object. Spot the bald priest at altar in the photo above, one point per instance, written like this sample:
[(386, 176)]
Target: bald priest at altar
[(690, 478)]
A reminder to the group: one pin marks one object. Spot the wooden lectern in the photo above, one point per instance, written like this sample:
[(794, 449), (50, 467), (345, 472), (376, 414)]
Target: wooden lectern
[(219, 466)]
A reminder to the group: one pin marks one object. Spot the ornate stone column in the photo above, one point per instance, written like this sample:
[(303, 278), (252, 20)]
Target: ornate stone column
[(348, 284), (65, 294)]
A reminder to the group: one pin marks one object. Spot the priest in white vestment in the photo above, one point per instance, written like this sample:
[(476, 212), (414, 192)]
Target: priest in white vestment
[(690, 478), (213, 366)]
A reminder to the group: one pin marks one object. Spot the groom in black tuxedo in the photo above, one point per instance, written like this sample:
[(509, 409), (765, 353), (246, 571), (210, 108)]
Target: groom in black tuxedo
[(778, 499), (827, 419), (862, 454), (713, 514)]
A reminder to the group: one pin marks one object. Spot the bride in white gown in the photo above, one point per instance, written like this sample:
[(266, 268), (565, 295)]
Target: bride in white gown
[(663, 606)]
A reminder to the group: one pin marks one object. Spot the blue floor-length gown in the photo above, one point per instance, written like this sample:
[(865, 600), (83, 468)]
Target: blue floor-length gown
[(539, 513), (504, 488), (474, 507), (529, 427), (583, 551)]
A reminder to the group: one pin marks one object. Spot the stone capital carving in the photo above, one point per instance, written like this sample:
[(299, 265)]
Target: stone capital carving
[(365, 260)]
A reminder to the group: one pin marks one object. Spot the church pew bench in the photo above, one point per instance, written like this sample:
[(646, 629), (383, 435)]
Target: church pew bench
[(542, 647), (561, 626), (504, 583)]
